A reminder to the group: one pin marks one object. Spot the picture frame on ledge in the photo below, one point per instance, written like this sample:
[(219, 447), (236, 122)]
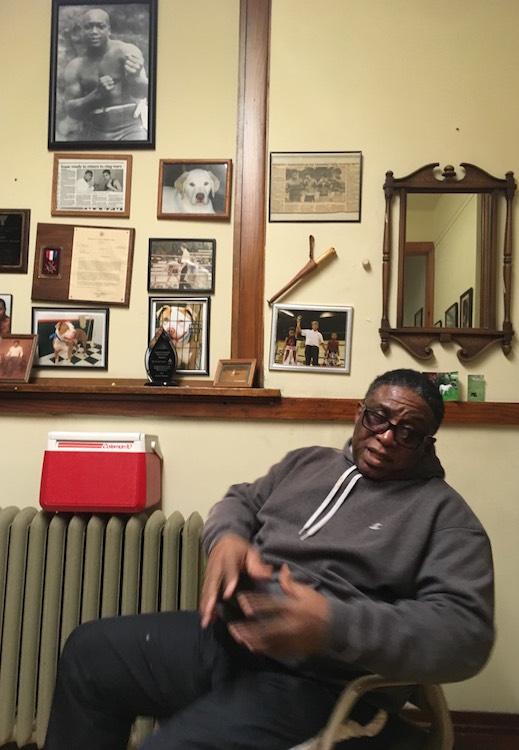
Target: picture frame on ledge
[(235, 373), (186, 320), (451, 316), (17, 351), (119, 86)]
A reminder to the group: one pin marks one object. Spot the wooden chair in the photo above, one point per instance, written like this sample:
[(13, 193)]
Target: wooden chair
[(340, 727)]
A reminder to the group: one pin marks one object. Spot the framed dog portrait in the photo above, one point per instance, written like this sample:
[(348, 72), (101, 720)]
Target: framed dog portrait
[(315, 186), (310, 338), (91, 185), (198, 189), (71, 337), (6, 312), (14, 239), (186, 319), (181, 266), (102, 74), (16, 357)]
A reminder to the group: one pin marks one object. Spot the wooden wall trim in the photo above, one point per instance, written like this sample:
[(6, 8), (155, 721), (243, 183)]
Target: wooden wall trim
[(202, 400), (249, 181)]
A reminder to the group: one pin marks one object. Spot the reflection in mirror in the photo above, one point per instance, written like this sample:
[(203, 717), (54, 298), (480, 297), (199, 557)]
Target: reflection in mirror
[(442, 256), (449, 282)]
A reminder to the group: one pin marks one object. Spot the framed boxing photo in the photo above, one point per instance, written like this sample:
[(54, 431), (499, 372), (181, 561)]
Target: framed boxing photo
[(180, 266), (75, 338), (103, 61), (186, 319), (194, 189), (311, 338)]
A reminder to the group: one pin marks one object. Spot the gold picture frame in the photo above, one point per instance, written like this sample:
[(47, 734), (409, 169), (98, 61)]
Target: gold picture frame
[(235, 373), (91, 185)]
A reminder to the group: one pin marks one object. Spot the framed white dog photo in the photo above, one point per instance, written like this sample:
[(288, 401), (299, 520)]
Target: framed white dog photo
[(186, 319), (71, 337), (199, 188)]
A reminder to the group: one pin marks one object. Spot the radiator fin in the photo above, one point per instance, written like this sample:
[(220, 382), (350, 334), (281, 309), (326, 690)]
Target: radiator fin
[(59, 570)]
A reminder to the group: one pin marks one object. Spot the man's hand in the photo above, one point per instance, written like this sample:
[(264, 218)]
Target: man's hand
[(292, 625), (105, 84), (133, 64), (230, 556)]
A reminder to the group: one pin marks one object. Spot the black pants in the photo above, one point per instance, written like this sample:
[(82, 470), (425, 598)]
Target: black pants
[(206, 691), (312, 355)]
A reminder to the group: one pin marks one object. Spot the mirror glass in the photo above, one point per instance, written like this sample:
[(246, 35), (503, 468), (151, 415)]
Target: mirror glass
[(442, 263)]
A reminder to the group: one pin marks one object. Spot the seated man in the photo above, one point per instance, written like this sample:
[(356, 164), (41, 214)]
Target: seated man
[(336, 563)]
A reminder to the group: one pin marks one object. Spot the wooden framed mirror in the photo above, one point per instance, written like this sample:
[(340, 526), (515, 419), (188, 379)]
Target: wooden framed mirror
[(449, 286)]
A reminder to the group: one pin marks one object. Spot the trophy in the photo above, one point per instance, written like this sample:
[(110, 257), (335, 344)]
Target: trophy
[(161, 359)]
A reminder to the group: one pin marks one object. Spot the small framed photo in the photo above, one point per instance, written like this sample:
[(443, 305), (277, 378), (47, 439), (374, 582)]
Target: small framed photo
[(186, 319), (102, 74), (14, 239), (71, 337), (198, 189), (466, 302), (438, 324), (6, 312), (181, 265), (16, 357), (310, 338), (91, 185), (315, 186), (235, 373), (418, 318), (451, 316)]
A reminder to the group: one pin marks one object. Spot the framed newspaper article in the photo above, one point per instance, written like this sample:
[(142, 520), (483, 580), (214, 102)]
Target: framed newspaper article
[(91, 184), (315, 186)]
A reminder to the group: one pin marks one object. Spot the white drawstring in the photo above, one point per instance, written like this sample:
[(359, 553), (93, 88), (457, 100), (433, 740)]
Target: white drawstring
[(310, 528)]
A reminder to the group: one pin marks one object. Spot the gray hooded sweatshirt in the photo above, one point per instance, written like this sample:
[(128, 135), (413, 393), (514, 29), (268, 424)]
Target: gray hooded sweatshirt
[(405, 564)]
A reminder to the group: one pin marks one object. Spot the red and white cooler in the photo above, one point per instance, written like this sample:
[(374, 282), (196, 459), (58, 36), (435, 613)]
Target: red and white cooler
[(113, 472)]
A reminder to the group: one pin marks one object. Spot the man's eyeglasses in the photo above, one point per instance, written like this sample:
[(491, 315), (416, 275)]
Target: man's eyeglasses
[(404, 436)]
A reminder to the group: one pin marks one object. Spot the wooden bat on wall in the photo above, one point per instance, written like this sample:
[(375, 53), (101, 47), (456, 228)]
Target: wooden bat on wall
[(310, 267)]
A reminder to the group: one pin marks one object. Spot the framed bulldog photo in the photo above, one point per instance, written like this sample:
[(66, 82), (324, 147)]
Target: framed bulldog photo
[(102, 74), (75, 338), (186, 320)]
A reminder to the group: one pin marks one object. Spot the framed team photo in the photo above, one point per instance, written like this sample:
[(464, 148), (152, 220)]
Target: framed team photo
[(315, 186), (75, 338), (102, 74), (186, 319), (310, 338), (178, 265)]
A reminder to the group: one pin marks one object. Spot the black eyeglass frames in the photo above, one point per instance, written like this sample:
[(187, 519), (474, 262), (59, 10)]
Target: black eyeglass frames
[(404, 435)]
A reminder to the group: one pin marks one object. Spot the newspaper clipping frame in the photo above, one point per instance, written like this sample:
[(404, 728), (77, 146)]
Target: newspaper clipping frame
[(93, 185), (315, 186)]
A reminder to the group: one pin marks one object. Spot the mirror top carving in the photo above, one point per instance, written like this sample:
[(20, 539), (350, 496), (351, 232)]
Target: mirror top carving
[(434, 287)]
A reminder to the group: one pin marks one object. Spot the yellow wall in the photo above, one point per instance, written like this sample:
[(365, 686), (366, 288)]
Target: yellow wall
[(407, 83)]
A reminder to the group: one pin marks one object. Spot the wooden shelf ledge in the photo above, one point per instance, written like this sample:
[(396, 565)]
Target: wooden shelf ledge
[(200, 399)]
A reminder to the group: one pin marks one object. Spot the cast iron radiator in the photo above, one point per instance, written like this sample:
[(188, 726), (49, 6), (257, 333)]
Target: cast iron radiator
[(59, 570)]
